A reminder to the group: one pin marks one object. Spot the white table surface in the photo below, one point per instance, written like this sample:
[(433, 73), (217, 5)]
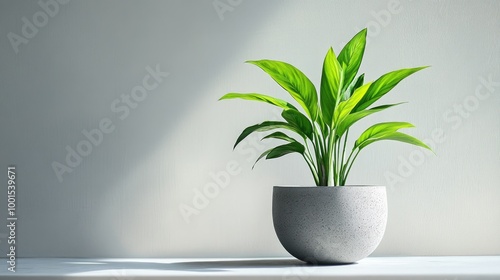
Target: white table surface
[(449, 268)]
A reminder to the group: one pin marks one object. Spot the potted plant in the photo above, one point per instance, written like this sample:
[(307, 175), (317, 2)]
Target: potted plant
[(333, 222)]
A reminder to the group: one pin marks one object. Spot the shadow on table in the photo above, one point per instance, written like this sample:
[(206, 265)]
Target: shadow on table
[(240, 264), (190, 266), (234, 264)]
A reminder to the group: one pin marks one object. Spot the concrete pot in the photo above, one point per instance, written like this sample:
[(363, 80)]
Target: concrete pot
[(330, 225)]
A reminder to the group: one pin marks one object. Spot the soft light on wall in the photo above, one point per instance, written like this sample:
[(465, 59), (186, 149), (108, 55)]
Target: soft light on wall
[(124, 198)]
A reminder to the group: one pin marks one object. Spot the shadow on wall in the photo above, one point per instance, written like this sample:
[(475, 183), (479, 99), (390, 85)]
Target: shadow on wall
[(83, 105)]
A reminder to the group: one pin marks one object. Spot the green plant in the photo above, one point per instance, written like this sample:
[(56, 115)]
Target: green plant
[(344, 99)]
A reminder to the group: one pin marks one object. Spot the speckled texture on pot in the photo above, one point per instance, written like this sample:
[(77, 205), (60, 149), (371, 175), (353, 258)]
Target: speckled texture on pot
[(329, 225)]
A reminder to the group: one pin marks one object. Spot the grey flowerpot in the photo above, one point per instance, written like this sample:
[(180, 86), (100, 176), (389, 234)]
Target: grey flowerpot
[(330, 225)]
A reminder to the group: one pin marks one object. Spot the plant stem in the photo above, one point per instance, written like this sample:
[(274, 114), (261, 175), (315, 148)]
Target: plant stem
[(311, 167), (331, 167), (339, 161), (342, 168), (335, 163), (308, 156), (347, 163), (349, 169), (309, 160), (317, 151), (325, 159)]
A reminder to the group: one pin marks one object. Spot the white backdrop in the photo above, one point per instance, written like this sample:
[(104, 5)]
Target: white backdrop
[(148, 74)]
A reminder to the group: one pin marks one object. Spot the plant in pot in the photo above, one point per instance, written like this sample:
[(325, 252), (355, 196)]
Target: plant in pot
[(332, 222)]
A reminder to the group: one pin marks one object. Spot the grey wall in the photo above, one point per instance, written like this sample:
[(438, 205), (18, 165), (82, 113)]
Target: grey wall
[(123, 198)]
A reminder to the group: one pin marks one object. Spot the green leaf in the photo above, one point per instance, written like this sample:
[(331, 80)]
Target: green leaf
[(264, 154), (299, 121), (397, 136), (345, 107), (380, 129), (265, 126), (352, 118), (322, 125), (383, 85), (356, 83), (279, 135), (294, 82), (360, 81), (259, 97), (279, 151), (294, 147), (352, 55), (331, 86)]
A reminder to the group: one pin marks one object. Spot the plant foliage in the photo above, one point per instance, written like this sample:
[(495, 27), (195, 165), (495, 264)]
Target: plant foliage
[(322, 125)]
